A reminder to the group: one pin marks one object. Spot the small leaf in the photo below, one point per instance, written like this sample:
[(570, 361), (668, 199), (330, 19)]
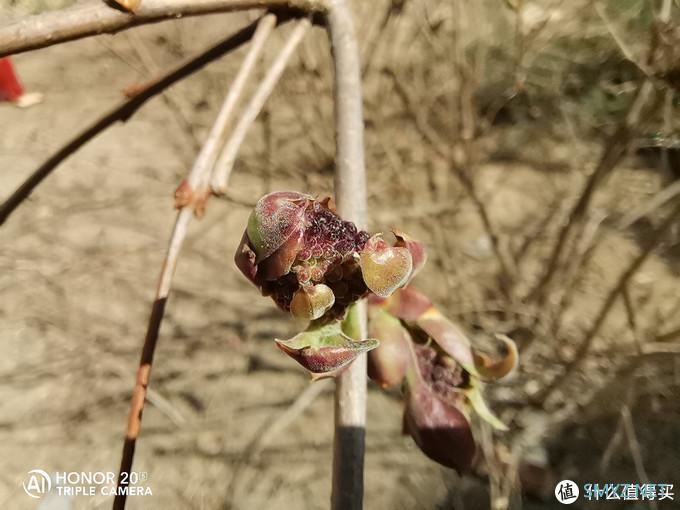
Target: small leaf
[(416, 309), (449, 337), (383, 267), (322, 349), (407, 304), (245, 259), (279, 263), (276, 217), (415, 248), (439, 428), (312, 301), (388, 363), (493, 370)]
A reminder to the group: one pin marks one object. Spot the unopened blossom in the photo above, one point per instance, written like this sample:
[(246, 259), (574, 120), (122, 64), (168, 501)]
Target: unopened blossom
[(297, 250), (300, 252)]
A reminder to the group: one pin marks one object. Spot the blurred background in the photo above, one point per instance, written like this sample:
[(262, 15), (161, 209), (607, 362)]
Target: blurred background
[(534, 145)]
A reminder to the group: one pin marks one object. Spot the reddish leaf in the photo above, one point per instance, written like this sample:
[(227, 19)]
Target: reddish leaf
[(388, 363), (415, 248), (323, 349), (494, 369), (276, 217), (439, 429)]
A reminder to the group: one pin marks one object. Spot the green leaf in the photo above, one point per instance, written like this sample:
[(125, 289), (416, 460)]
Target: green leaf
[(324, 348)]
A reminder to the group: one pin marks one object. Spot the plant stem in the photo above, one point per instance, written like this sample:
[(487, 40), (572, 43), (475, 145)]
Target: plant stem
[(94, 18), (350, 194), (227, 159), (202, 166)]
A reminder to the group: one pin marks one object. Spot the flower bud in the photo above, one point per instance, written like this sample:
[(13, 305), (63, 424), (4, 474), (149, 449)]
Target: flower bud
[(439, 429), (294, 243)]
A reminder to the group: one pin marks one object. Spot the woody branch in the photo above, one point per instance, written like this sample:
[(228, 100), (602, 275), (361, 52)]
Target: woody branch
[(84, 20)]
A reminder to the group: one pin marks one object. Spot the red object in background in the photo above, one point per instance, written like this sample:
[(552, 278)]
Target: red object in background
[(10, 88)]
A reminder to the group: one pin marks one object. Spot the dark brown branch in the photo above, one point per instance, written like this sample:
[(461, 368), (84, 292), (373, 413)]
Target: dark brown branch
[(123, 111), (667, 336), (84, 20)]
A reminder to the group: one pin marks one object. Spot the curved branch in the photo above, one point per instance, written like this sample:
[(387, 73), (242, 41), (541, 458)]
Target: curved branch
[(84, 20), (202, 166)]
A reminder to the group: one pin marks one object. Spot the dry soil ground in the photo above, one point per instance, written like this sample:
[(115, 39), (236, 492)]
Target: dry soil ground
[(79, 263)]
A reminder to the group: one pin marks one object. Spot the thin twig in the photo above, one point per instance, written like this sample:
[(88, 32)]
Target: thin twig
[(589, 241), (612, 447), (634, 447), (650, 205), (172, 103), (442, 149), (123, 111), (578, 258), (350, 196), (667, 336), (614, 151), (93, 18), (202, 166), (227, 158), (625, 49), (282, 421), (631, 317), (165, 406), (603, 313), (639, 111)]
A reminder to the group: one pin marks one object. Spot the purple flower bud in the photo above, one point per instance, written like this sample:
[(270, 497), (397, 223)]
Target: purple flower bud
[(444, 374), (293, 240)]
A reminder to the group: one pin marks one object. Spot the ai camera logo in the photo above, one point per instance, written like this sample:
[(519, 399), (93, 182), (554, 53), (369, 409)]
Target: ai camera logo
[(566, 492), (37, 483)]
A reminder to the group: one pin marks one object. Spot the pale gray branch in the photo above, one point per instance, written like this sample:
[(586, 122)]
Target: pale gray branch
[(227, 159), (350, 195)]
